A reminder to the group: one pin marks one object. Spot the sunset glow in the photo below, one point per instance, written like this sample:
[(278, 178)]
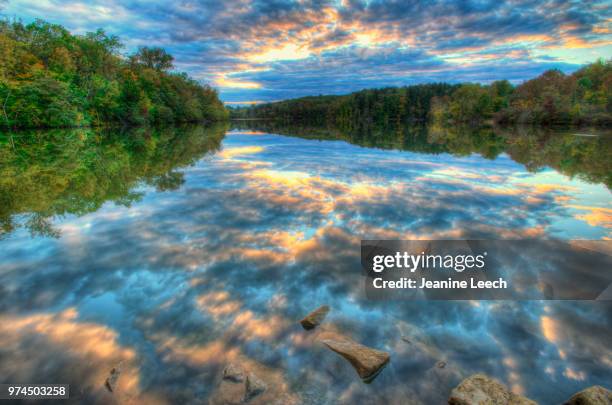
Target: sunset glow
[(255, 50)]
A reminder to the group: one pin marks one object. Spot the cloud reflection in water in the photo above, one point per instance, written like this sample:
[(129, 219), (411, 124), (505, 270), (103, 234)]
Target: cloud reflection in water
[(220, 269)]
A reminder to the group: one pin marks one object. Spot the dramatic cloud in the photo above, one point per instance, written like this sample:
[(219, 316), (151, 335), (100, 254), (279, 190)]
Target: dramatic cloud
[(268, 50)]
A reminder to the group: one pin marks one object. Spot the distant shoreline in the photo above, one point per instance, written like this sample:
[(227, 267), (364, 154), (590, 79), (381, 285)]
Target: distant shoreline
[(550, 99)]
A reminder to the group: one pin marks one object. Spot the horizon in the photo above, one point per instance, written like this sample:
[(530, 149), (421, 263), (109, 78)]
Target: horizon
[(261, 52)]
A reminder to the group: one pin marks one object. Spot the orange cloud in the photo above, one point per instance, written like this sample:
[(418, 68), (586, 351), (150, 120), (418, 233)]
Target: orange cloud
[(596, 216), (550, 329), (90, 349), (224, 81), (218, 304), (232, 152)]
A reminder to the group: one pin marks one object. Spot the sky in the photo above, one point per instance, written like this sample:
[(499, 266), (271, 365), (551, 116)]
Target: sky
[(260, 51)]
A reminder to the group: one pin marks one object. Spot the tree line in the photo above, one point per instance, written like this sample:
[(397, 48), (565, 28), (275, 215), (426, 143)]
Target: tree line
[(553, 98), (366, 108), (51, 78)]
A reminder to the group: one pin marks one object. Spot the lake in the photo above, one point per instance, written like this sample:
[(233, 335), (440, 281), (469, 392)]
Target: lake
[(174, 252)]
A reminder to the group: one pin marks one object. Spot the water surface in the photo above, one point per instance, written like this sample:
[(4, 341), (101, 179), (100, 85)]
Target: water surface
[(179, 250)]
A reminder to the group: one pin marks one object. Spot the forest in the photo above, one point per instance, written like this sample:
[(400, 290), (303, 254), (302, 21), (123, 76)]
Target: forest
[(366, 108), (553, 98), (52, 78)]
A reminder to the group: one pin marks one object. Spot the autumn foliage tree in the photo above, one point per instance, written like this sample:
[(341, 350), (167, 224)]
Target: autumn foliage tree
[(553, 98), (51, 78)]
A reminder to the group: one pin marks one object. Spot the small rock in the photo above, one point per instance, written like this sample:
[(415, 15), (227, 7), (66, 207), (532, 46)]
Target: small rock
[(233, 373), (314, 319), (227, 393), (441, 364), (482, 390), (113, 378), (253, 387), (595, 395), (367, 362)]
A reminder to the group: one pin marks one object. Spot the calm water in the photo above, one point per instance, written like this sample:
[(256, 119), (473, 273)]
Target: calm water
[(180, 250)]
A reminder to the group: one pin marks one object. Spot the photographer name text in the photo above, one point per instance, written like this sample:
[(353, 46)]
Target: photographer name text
[(423, 263)]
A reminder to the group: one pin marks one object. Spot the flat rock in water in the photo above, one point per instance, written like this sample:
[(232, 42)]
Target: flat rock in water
[(253, 387), (227, 393), (367, 362), (314, 319), (233, 373), (595, 395), (113, 378), (482, 390)]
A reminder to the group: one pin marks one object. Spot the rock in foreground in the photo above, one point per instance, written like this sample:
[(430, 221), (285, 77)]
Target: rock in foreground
[(233, 373), (113, 378), (367, 362), (482, 390), (253, 387), (314, 319), (595, 395)]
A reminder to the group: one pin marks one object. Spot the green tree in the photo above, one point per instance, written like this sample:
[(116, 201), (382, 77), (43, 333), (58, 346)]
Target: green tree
[(51, 78), (154, 58)]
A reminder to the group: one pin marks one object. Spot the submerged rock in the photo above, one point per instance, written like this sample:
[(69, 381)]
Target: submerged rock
[(113, 378), (314, 319), (407, 339), (595, 395), (367, 362), (253, 387), (441, 364), (233, 373), (482, 390), (227, 393)]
